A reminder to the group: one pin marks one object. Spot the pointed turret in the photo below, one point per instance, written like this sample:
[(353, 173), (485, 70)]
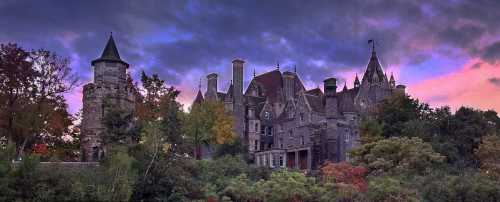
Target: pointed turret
[(356, 81), (110, 53), (199, 98), (373, 70), (392, 81), (345, 86)]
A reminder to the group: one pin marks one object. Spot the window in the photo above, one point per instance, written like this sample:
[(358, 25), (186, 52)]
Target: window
[(95, 153), (281, 143), (256, 145), (256, 129), (281, 161), (267, 115), (301, 117), (302, 140), (290, 133), (262, 130)]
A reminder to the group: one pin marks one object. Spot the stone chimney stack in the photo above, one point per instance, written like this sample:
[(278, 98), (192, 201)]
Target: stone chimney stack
[(331, 104), (211, 94), (238, 108), (288, 85)]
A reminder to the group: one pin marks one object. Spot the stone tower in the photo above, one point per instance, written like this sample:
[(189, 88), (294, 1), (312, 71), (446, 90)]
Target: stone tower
[(238, 108), (109, 88)]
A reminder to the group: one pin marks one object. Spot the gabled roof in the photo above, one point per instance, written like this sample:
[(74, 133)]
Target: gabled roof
[(315, 91), (110, 53), (372, 68), (271, 83), (316, 103), (346, 100)]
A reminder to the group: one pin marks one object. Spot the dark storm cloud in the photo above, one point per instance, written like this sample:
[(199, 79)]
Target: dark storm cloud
[(205, 34), (495, 81), (492, 53)]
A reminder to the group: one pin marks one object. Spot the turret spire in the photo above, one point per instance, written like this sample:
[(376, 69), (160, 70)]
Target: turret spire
[(278, 64), (110, 52), (345, 86), (253, 72), (392, 81), (356, 81)]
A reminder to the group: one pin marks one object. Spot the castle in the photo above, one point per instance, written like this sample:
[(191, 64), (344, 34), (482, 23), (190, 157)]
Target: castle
[(109, 88), (281, 122), (285, 125)]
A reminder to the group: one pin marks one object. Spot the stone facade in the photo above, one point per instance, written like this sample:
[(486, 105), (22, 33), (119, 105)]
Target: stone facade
[(109, 88), (285, 125)]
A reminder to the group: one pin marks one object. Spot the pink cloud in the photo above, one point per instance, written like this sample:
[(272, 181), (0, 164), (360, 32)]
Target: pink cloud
[(468, 86)]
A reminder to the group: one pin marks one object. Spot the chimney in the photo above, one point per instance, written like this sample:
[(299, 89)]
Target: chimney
[(331, 103), (211, 94), (238, 108)]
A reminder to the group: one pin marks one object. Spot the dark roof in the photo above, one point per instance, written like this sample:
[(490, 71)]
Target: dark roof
[(316, 103), (271, 84), (230, 90), (315, 91), (199, 98), (346, 100), (110, 53), (373, 67), (221, 96)]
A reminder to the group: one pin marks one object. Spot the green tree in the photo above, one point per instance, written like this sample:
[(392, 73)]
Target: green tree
[(370, 131), (390, 189), (120, 174), (208, 123), (397, 155), (398, 109), (488, 154)]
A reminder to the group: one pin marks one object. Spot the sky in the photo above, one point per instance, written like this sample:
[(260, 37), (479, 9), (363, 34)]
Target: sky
[(445, 52)]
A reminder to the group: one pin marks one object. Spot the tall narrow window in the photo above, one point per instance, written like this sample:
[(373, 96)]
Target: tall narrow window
[(302, 140)]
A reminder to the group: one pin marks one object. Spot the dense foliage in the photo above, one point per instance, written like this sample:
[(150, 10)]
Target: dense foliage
[(408, 151)]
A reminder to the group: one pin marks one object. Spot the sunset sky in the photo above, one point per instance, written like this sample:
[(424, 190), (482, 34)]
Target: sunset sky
[(446, 52)]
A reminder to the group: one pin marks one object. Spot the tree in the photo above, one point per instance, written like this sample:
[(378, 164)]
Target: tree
[(466, 186), (208, 123), (370, 131), (154, 94), (16, 75), (388, 189), (120, 174), (398, 109), (396, 155), (120, 127), (35, 109), (345, 173), (488, 154)]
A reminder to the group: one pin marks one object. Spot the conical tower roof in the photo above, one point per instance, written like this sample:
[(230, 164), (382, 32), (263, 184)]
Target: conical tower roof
[(199, 98), (110, 53), (373, 67)]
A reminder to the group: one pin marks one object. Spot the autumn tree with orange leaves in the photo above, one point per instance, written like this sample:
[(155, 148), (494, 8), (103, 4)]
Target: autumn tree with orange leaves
[(345, 174), (32, 105)]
